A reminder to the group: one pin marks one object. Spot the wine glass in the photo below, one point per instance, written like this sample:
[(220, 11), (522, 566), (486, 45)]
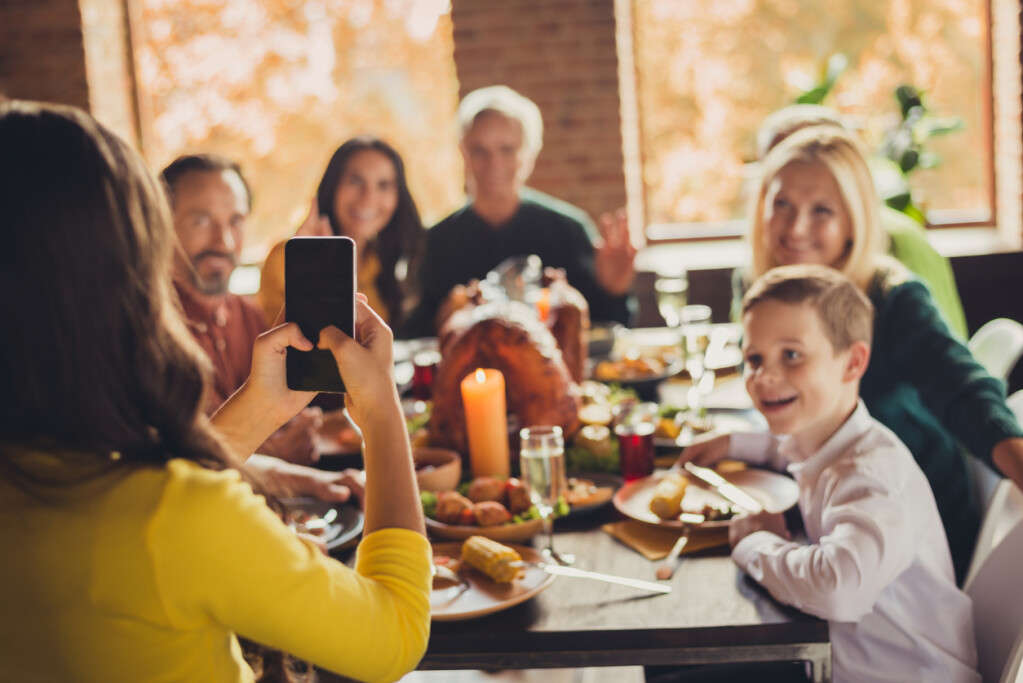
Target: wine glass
[(695, 322), (672, 289), (542, 461)]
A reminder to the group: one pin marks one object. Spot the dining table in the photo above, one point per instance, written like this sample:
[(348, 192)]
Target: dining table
[(715, 614)]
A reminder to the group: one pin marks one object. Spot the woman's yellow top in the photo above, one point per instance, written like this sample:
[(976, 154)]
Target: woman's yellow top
[(147, 574), (271, 283)]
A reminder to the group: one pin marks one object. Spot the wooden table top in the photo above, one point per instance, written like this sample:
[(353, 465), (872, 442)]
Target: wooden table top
[(576, 622)]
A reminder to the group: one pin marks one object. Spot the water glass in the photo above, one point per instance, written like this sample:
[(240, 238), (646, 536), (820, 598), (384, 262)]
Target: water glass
[(672, 290), (542, 461), (695, 340)]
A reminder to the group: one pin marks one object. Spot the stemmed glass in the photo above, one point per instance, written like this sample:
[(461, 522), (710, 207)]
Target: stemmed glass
[(542, 461), (695, 321)]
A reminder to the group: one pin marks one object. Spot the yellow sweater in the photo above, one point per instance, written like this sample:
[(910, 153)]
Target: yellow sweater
[(271, 283), (146, 574)]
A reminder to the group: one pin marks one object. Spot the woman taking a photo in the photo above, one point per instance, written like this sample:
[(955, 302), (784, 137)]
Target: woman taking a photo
[(135, 546), (362, 195)]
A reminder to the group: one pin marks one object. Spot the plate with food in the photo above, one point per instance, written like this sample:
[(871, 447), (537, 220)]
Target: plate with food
[(497, 508), (663, 497), (335, 525), (589, 491), (490, 580)]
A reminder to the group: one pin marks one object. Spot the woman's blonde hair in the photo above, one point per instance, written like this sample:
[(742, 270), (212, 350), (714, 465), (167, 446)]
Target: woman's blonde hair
[(840, 153)]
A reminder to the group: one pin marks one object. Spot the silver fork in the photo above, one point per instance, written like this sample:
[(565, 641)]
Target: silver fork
[(452, 576)]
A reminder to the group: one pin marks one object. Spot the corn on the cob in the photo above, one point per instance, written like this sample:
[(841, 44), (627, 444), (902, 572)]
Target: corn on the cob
[(497, 561), (666, 502)]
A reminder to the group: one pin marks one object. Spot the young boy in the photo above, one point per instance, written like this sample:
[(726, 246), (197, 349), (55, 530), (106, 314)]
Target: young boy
[(876, 564)]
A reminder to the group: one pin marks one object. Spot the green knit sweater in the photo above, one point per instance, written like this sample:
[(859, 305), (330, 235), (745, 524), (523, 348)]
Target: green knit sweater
[(924, 385)]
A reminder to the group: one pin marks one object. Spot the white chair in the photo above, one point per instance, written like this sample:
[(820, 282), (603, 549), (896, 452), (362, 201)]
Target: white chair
[(997, 603), (1004, 511), (997, 346), (1013, 671)]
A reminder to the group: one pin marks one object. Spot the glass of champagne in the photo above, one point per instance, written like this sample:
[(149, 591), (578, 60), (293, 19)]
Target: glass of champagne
[(542, 461), (695, 322)]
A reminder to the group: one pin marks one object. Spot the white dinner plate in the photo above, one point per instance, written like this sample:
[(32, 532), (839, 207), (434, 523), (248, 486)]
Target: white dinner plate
[(776, 492), (484, 595)]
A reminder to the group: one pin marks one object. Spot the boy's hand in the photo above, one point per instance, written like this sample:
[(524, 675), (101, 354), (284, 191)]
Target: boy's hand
[(706, 449), (745, 524)]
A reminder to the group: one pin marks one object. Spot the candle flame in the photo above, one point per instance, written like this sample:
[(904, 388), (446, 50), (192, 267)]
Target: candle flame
[(481, 376)]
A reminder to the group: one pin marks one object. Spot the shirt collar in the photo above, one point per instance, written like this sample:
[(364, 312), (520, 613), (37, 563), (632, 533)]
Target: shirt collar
[(840, 442)]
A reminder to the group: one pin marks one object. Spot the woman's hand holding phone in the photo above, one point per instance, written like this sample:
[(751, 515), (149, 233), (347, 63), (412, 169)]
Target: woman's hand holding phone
[(366, 366)]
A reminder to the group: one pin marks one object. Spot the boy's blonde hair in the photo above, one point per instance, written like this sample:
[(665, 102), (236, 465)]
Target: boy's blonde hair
[(845, 312), (840, 153)]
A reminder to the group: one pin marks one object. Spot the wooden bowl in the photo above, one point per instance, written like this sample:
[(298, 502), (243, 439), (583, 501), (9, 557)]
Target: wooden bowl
[(437, 469)]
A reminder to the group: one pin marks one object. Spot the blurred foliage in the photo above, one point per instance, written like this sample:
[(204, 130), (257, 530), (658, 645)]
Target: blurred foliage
[(708, 74), (279, 84), (902, 150)]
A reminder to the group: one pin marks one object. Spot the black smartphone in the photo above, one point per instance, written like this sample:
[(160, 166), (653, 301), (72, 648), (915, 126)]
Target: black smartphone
[(319, 290)]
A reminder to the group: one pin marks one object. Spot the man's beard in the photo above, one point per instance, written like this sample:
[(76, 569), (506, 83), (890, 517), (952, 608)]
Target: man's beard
[(216, 284)]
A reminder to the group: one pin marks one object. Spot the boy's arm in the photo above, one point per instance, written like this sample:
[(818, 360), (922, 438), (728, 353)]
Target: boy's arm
[(866, 541)]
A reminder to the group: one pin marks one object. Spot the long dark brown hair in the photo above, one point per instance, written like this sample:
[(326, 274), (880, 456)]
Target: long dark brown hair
[(98, 358), (398, 242)]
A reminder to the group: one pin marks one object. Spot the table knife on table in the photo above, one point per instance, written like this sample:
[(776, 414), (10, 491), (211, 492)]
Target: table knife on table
[(725, 489), (559, 570)]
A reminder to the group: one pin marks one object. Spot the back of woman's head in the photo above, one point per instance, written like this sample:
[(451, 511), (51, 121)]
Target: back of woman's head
[(837, 152), (96, 356), (399, 241)]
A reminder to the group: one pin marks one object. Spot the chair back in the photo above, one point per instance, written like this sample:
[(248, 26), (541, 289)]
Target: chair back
[(998, 346), (1013, 671), (997, 603)]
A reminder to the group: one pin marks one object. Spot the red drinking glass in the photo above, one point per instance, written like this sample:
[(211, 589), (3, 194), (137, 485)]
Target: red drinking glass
[(635, 450), (424, 368)]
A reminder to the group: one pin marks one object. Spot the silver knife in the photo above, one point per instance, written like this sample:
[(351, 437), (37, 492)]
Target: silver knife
[(729, 491), (560, 570)]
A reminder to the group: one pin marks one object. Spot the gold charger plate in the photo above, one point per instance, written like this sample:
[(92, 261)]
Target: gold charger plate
[(523, 531), (774, 491), (485, 596)]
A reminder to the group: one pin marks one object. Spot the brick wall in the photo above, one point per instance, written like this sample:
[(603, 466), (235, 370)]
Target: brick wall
[(561, 54), (70, 52), (42, 56)]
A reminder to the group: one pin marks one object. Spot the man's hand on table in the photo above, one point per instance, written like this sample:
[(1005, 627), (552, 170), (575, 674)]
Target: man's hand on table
[(295, 441), (286, 479)]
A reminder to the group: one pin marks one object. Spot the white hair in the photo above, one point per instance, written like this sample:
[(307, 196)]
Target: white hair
[(501, 99)]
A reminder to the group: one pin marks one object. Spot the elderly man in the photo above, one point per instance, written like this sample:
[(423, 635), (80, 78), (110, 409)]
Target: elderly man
[(502, 134), (210, 200)]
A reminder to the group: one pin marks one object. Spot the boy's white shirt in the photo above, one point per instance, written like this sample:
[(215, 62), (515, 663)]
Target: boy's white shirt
[(877, 564)]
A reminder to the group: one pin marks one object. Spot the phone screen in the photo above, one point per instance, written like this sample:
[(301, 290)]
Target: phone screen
[(319, 290)]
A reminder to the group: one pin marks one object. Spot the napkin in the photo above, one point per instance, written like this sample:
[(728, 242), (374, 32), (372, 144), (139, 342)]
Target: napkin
[(654, 542)]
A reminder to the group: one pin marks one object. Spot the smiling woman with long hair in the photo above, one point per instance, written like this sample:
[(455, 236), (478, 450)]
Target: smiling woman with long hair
[(364, 195), (134, 546)]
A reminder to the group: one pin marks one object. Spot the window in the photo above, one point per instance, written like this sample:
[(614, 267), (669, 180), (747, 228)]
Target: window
[(278, 85), (708, 73)]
